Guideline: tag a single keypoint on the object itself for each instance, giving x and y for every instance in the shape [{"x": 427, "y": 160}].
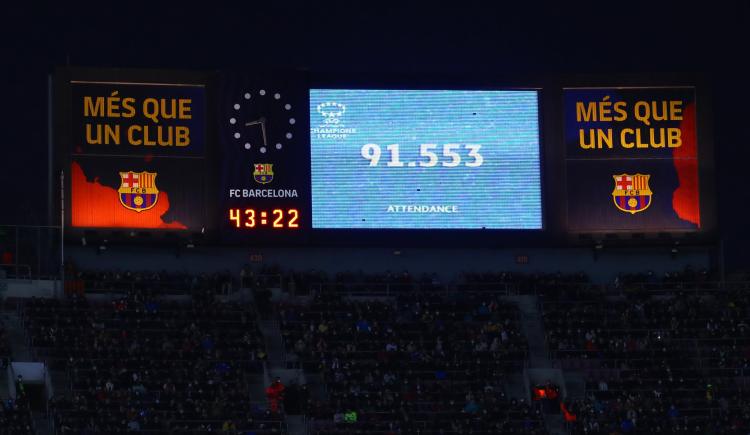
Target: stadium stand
[
  {"x": 160, "y": 282},
  {"x": 669, "y": 361},
  {"x": 419, "y": 363},
  {"x": 148, "y": 365},
  {"x": 393, "y": 354},
  {"x": 15, "y": 417}
]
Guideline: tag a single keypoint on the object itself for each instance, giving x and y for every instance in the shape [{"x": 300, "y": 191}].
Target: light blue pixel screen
[{"x": 425, "y": 159}]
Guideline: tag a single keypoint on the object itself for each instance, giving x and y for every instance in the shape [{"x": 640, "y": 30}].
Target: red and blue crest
[
  {"x": 263, "y": 173},
  {"x": 632, "y": 193},
  {"x": 138, "y": 190}
]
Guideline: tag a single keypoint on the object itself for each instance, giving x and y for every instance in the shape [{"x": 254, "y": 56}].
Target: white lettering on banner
[
  {"x": 422, "y": 209},
  {"x": 263, "y": 193}
]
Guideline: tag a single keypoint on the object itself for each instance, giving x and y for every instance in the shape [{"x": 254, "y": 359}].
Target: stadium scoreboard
[{"x": 251, "y": 158}]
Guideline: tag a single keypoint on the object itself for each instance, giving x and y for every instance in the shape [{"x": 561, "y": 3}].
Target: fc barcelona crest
[
  {"x": 263, "y": 173},
  {"x": 632, "y": 193},
  {"x": 138, "y": 190}
]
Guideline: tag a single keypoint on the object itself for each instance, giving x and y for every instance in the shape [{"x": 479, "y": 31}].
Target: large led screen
[{"x": 425, "y": 159}]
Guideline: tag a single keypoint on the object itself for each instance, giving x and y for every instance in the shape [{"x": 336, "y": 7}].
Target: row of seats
[
  {"x": 99, "y": 281},
  {"x": 414, "y": 362},
  {"x": 141, "y": 363},
  {"x": 15, "y": 417},
  {"x": 671, "y": 362},
  {"x": 417, "y": 363}
]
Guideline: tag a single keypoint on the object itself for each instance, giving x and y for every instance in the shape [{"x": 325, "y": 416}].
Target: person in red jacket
[
  {"x": 552, "y": 391},
  {"x": 275, "y": 393},
  {"x": 569, "y": 416},
  {"x": 6, "y": 261}
]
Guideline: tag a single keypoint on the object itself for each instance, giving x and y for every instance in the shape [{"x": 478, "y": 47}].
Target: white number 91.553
[{"x": 451, "y": 154}]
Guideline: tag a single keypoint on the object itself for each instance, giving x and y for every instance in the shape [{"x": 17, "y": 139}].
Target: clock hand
[
  {"x": 262, "y": 122},
  {"x": 263, "y": 129}
]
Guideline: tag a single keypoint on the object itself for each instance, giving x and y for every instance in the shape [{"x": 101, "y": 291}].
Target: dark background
[{"x": 463, "y": 38}]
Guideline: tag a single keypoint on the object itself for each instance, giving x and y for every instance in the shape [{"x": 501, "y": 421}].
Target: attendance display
[{"x": 425, "y": 159}]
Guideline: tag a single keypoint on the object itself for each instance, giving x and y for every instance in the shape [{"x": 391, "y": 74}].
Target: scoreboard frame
[{"x": 555, "y": 231}]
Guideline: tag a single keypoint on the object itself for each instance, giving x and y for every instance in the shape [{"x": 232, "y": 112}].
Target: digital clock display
[{"x": 256, "y": 218}]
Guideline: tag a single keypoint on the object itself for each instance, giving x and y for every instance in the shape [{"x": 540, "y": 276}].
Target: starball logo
[
  {"x": 332, "y": 126},
  {"x": 331, "y": 111}
]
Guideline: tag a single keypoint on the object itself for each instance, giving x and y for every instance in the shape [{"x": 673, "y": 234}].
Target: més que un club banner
[{"x": 631, "y": 159}]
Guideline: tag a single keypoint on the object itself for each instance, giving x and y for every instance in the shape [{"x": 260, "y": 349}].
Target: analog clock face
[{"x": 262, "y": 121}]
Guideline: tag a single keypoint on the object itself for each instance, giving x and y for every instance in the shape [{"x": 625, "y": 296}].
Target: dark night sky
[{"x": 464, "y": 38}]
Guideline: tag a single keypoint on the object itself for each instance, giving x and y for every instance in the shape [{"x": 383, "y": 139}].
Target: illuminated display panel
[
  {"x": 632, "y": 159},
  {"x": 137, "y": 155},
  {"x": 264, "y": 180},
  {"x": 276, "y": 218},
  {"x": 425, "y": 159},
  {"x": 267, "y": 158}
]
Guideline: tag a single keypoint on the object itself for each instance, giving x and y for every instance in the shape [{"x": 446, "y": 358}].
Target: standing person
[
  {"x": 247, "y": 277},
  {"x": 244, "y": 277},
  {"x": 552, "y": 393},
  {"x": 20, "y": 387},
  {"x": 6, "y": 257},
  {"x": 6, "y": 261},
  {"x": 275, "y": 393}
]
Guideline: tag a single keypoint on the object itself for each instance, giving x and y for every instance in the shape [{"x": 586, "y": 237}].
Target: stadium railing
[
  {"x": 89, "y": 286},
  {"x": 396, "y": 288},
  {"x": 30, "y": 252},
  {"x": 169, "y": 286}
]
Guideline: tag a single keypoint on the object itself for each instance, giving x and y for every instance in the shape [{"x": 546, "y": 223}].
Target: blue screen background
[{"x": 503, "y": 193}]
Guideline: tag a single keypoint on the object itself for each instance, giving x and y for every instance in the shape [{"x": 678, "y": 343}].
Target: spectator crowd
[{"x": 395, "y": 354}]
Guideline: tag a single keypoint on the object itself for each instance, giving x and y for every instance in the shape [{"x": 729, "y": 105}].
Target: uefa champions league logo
[
  {"x": 331, "y": 111},
  {"x": 332, "y": 127}
]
